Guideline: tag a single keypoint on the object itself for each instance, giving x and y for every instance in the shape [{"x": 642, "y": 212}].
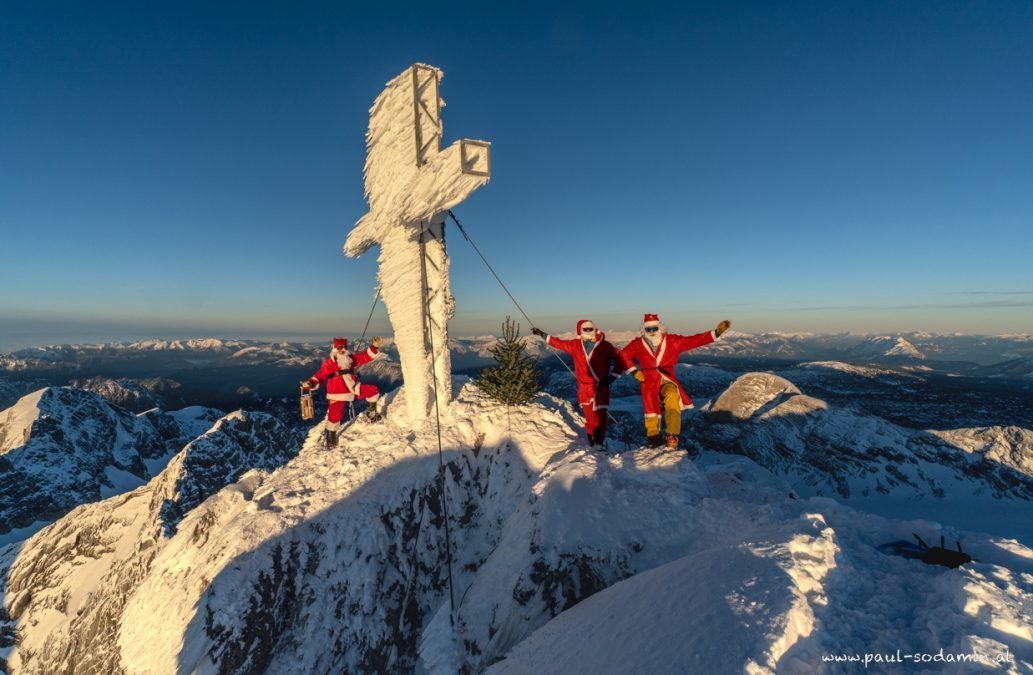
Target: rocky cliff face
[
  {"x": 236, "y": 443},
  {"x": 68, "y": 586},
  {"x": 61, "y": 447},
  {"x": 125, "y": 393}
]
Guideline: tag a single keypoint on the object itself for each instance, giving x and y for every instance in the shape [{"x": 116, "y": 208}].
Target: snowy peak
[
  {"x": 179, "y": 427},
  {"x": 130, "y": 394},
  {"x": 886, "y": 347},
  {"x": 239, "y": 442},
  {"x": 60, "y": 447},
  {"x": 16, "y": 422},
  {"x": 13, "y": 389}
]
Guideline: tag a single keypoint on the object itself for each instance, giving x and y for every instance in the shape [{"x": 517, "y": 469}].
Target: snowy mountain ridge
[
  {"x": 125, "y": 393},
  {"x": 80, "y": 567},
  {"x": 981, "y": 349},
  {"x": 644, "y": 559},
  {"x": 61, "y": 447},
  {"x": 826, "y": 451},
  {"x": 885, "y": 346}
]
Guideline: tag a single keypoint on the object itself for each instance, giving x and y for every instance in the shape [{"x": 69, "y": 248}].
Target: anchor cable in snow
[{"x": 491, "y": 269}]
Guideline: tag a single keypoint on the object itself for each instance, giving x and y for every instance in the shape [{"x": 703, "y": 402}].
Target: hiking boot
[
  {"x": 655, "y": 441},
  {"x": 372, "y": 415},
  {"x": 672, "y": 441},
  {"x": 331, "y": 438}
]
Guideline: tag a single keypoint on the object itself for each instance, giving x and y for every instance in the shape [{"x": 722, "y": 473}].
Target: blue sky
[{"x": 177, "y": 169}]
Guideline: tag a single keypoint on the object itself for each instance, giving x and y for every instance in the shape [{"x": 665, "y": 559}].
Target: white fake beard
[
  {"x": 654, "y": 338},
  {"x": 342, "y": 359}
]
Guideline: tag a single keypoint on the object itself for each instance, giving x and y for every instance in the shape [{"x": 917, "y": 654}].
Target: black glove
[{"x": 538, "y": 331}]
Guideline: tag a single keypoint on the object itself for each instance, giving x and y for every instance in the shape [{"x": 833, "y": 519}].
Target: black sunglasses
[
  {"x": 587, "y": 330},
  {"x": 651, "y": 329}
]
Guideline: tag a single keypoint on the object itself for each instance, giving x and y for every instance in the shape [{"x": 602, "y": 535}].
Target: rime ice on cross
[{"x": 410, "y": 183}]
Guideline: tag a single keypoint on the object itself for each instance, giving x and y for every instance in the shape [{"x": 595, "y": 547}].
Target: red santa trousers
[{"x": 335, "y": 409}]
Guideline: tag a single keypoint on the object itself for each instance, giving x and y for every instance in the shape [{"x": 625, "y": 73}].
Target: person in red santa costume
[
  {"x": 342, "y": 386},
  {"x": 650, "y": 359},
  {"x": 597, "y": 364}
]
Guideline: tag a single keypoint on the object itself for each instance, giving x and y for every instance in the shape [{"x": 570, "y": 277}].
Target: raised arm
[
  {"x": 555, "y": 342},
  {"x": 683, "y": 343},
  {"x": 364, "y": 357}
]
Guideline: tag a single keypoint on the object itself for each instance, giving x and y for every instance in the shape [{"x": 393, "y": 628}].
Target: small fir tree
[{"x": 515, "y": 380}]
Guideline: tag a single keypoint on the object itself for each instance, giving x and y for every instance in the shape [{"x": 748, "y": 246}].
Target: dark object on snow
[{"x": 935, "y": 555}]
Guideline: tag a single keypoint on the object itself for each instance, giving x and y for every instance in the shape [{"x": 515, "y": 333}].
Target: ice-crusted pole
[{"x": 410, "y": 183}]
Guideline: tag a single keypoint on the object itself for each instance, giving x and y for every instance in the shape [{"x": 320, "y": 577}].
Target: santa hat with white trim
[
  {"x": 650, "y": 321},
  {"x": 586, "y": 323}
]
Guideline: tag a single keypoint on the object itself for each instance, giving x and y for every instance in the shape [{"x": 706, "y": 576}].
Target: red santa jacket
[
  {"x": 342, "y": 386},
  {"x": 591, "y": 371},
  {"x": 658, "y": 365}
]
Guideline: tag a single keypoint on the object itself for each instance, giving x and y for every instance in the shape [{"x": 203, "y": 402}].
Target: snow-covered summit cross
[{"x": 410, "y": 183}]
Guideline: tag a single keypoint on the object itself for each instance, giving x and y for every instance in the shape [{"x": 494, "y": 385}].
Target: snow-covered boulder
[
  {"x": 823, "y": 450},
  {"x": 755, "y": 394}
]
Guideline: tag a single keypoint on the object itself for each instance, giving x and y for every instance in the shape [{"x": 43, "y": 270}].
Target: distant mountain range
[{"x": 981, "y": 350}]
